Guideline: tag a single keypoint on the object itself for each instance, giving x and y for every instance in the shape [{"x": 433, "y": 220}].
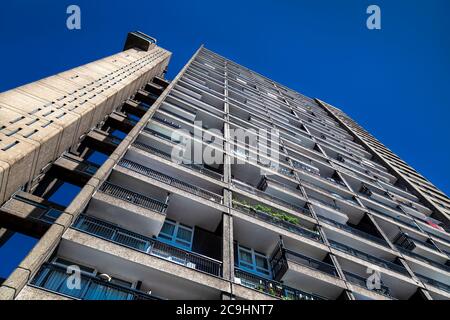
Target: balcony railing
[
  {"x": 170, "y": 181},
  {"x": 55, "y": 279},
  {"x": 369, "y": 258},
  {"x": 405, "y": 223},
  {"x": 278, "y": 218},
  {"x": 160, "y": 135},
  {"x": 273, "y": 288},
  {"x": 434, "y": 283},
  {"x": 353, "y": 230},
  {"x": 245, "y": 187},
  {"x": 133, "y": 197},
  {"x": 327, "y": 204},
  {"x": 281, "y": 256},
  {"x": 113, "y": 233},
  {"x": 362, "y": 282},
  {"x": 305, "y": 168},
  {"x": 167, "y": 156},
  {"x": 424, "y": 259}
]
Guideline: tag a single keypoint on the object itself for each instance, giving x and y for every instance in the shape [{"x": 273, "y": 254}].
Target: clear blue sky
[{"x": 394, "y": 82}]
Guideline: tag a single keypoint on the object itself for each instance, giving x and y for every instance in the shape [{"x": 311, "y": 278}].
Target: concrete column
[{"x": 227, "y": 247}]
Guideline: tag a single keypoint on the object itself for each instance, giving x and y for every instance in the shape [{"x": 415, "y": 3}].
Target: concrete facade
[{"x": 333, "y": 219}]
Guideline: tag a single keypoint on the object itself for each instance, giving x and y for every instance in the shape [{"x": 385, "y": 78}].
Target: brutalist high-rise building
[{"x": 220, "y": 184}]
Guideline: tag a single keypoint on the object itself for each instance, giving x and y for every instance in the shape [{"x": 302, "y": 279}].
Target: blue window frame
[
  {"x": 254, "y": 262},
  {"x": 177, "y": 234}
]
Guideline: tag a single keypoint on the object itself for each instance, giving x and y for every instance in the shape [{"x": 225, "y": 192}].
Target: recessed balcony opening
[
  {"x": 254, "y": 262},
  {"x": 204, "y": 78},
  {"x": 372, "y": 255},
  {"x": 298, "y": 139},
  {"x": 298, "y": 154},
  {"x": 325, "y": 206},
  {"x": 194, "y": 146},
  {"x": 360, "y": 227},
  {"x": 423, "y": 249},
  {"x": 201, "y": 84},
  {"x": 139, "y": 163},
  {"x": 305, "y": 268},
  {"x": 382, "y": 199},
  {"x": 372, "y": 280},
  {"x": 384, "y": 210},
  {"x": 399, "y": 189},
  {"x": 106, "y": 276},
  {"x": 299, "y": 148},
  {"x": 199, "y": 127},
  {"x": 435, "y": 229},
  {"x": 295, "y": 223},
  {"x": 200, "y": 69},
  {"x": 135, "y": 207},
  {"x": 189, "y": 86},
  {"x": 181, "y": 110},
  {"x": 154, "y": 147},
  {"x": 198, "y": 99}
]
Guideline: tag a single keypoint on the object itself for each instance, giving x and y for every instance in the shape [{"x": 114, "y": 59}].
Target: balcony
[
  {"x": 281, "y": 258},
  {"x": 434, "y": 283},
  {"x": 369, "y": 258},
  {"x": 55, "y": 278},
  {"x": 310, "y": 270},
  {"x": 133, "y": 197},
  {"x": 113, "y": 233},
  {"x": 272, "y": 288},
  {"x": 277, "y": 218},
  {"x": 166, "y": 179},
  {"x": 135, "y": 211},
  {"x": 421, "y": 250},
  {"x": 362, "y": 282},
  {"x": 166, "y": 156},
  {"x": 354, "y": 231},
  {"x": 405, "y": 221},
  {"x": 258, "y": 193}
]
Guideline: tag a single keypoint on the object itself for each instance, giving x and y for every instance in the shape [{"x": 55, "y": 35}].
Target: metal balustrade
[
  {"x": 424, "y": 259},
  {"x": 162, "y": 154},
  {"x": 405, "y": 223},
  {"x": 166, "y": 122},
  {"x": 170, "y": 181},
  {"x": 56, "y": 279},
  {"x": 277, "y": 221},
  {"x": 362, "y": 282},
  {"x": 369, "y": 258},
  {"x": 310, "y": 262},
  {"x": 151, "y": 246},
  {"x": 327, "y": 204},
  {"x": 273, "y": 288},
  {"x": 434, "y": 283},
  {"x": 160, "y": 135},
  {"x": 354, "y": 230},
  {"x": 133, "y": 197}
]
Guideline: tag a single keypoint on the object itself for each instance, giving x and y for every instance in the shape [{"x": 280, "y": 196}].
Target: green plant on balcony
[{"x": 270, "y": 211}]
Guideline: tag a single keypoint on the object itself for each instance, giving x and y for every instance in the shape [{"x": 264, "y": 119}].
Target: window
[
  {"x": 177, "y": 234},
  {"x": 253, "y": 261}
]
